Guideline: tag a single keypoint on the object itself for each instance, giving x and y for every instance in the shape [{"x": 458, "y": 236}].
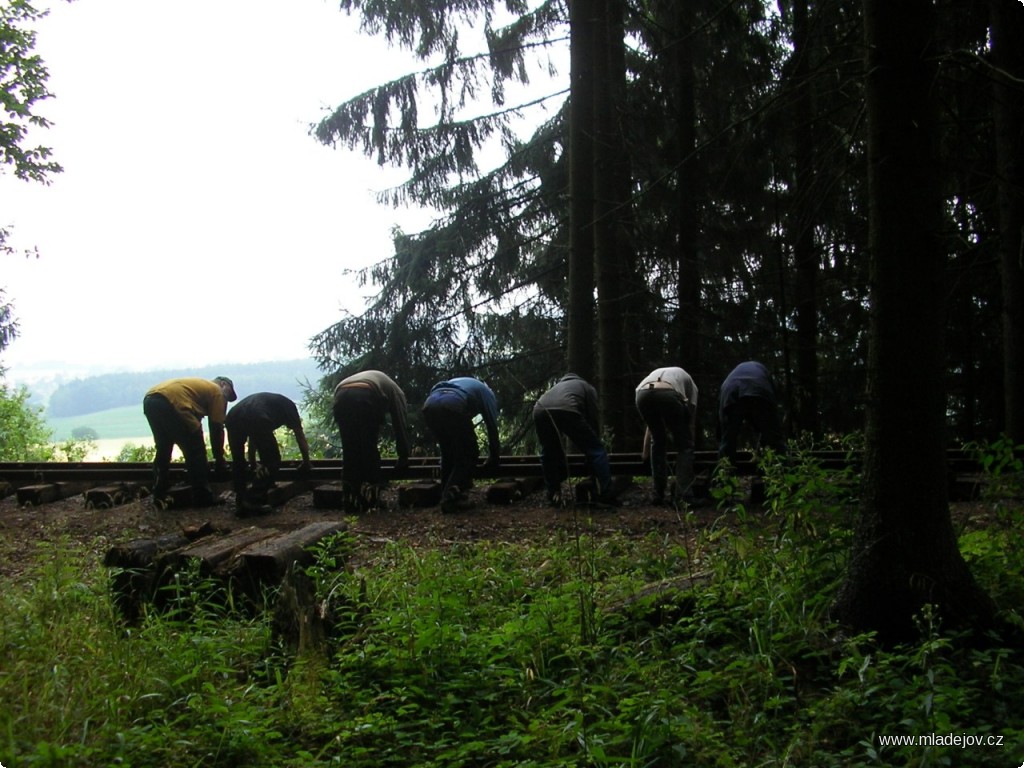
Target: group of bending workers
[
  {"x": 175, "y": 409},
  {"x": 666, "y": 400}
]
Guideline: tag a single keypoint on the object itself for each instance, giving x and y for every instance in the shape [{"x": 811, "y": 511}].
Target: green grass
[
  {"x": 116, "y": 423},
  {"x": 496, "y": 654}
]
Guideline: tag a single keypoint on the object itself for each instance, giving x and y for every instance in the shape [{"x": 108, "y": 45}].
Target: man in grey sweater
[{"x": 569, "y": 408}]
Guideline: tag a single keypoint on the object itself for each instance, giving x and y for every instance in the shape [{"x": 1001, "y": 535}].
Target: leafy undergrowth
[{"x": 589, "y": 651}]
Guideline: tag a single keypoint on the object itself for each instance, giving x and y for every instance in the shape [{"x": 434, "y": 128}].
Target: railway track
[
  {"x": 248, "y": 558},
  {"x": 16, "y": 475}
]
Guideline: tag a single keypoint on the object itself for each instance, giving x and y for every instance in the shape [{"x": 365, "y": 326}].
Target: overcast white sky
[{"x": 196, "y": 221}]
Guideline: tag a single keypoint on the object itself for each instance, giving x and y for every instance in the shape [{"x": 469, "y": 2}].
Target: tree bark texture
[
  {"x": 905, "y": 551},
  {"x": 580, "y": 322},
  {"x": 688, "y": 325},
  {"x": 611, "y": 204},
  {"x": 1007, "y": 24},
  {"x": 805, "y": 252}
]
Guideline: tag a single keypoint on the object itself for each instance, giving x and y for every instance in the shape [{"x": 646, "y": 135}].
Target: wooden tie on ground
[
  {"x": 428, "y": 493},
  {"x": 34, "y": 495},
  {"x": 245, "y": 562},
  {"x": 109, "y": 484},
  {"x": 110, "y": 496},
  {"x": 509, "y": 491},
  {"x": 329, "y": 496}
]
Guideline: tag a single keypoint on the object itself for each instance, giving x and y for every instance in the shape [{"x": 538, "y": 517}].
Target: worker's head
[{"x": 227, "y": 387}]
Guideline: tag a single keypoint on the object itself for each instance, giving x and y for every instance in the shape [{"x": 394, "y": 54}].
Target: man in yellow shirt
[{"x": 175, "y": 410}]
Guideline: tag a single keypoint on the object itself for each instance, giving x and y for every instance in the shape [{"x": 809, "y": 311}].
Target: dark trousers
[
  {"x": 170, "y": 429},
  {"x": 448, "y": 418},
  {"x": 551, "y": 424},
  {"x": 763, "y": 417},
  {"x": 359, "y": 413},
  {"x": 665, "y": 412},
  {"x": 261, "y": 438}
]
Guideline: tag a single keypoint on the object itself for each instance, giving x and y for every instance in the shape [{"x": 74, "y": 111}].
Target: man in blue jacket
[{"x": 449, "y": 412}]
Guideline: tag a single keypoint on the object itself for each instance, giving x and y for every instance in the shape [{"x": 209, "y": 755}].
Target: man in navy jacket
[{"x": 449, "y": 412}]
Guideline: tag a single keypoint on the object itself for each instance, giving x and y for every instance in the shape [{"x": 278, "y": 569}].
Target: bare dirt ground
[{"x": 56, "y": 525}]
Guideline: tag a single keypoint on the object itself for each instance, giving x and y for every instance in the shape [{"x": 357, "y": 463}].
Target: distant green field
[{"x": 116, "y": 423}]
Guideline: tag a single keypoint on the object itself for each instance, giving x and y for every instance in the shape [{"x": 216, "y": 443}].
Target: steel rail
[{"x": 425, "y": 467}]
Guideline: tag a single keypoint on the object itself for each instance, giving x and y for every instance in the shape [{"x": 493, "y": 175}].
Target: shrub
[
  {"x": 136, "y": 453},
  {"x": 23, "y": 432}
]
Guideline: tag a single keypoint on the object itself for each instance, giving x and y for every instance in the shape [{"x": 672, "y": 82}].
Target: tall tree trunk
[
  {"x": 611, "y": 203},
  {"x": 1008, "y": 58},
  {"x": 579, "y": 333},
  {"x": 905, "y": 550},
  {"x": 688, "y": 325},
  {"x": 805, "y": 253},
  {"x": 633, "y": 286}
]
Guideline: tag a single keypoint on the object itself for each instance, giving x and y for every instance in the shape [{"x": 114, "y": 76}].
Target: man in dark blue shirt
[
  {"x": 748, "y": 397},
  {"x": 253, "y": 420},
  {"x": 449, "y": 412}
]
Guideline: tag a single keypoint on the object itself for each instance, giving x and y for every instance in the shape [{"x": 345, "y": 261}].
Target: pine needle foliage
[{"x": 743, "y": 124}]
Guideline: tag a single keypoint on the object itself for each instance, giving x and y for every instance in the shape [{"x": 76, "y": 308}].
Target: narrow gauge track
[{"x": 18, "y": 474}]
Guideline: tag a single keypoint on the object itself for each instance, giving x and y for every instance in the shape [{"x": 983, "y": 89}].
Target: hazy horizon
[{"x": 196, "y": 221}]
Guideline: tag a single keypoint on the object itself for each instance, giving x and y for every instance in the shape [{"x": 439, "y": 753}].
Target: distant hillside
[
  {"x": 116, "y": 390},
  {"x": 115, "y": 423}
]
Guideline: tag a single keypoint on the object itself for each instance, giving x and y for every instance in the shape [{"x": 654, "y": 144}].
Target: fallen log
[
  {"x": 200, "y": 572},
  {"x": 170, "y": 569},
  {"x": 142, "y": 553},
  {"x": 133, "y": 580},
  {"x": 209, "y": 554},
  {"x": 267, "y": 561}
]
